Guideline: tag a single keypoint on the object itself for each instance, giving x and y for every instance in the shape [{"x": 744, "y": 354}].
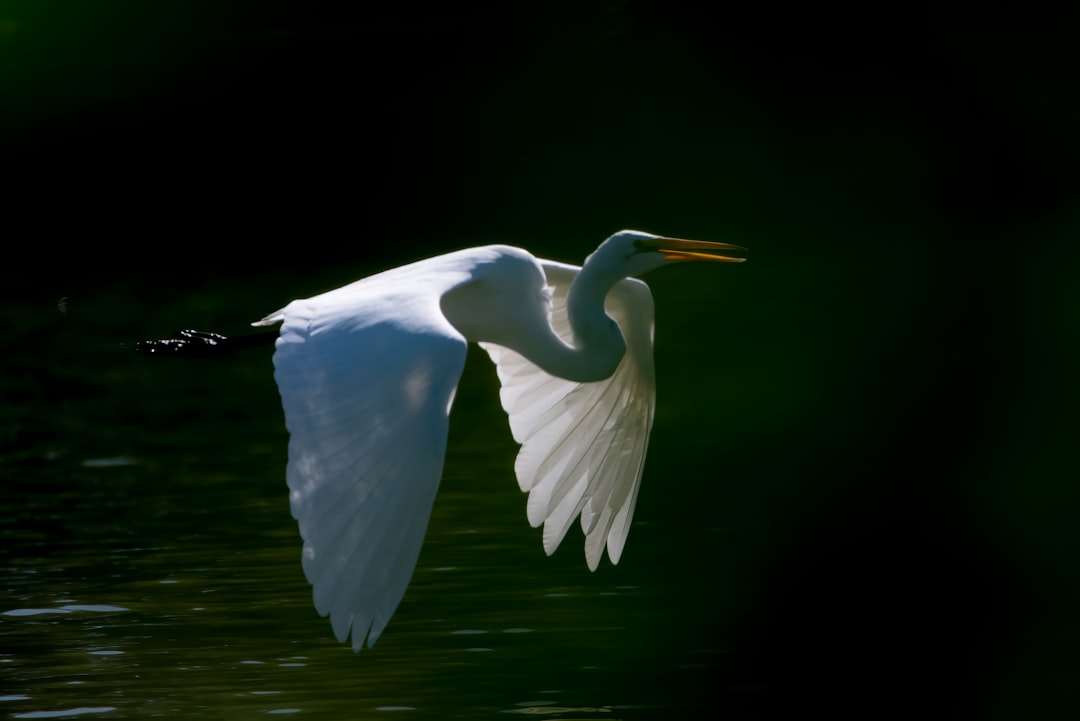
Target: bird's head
[{"x": 633, "y": 252}]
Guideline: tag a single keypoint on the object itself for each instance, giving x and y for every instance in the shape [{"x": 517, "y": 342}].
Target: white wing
[
  {"x": 583, "y": 444},
  {"x": 366, "y": 381}
]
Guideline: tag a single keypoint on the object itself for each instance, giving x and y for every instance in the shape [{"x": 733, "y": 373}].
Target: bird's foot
[
  {"x": 201, "y": 344},
  {"x": 185, "y": 344}
]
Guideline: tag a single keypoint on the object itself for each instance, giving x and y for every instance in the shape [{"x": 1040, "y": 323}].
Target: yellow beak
[{"x": 677, "y": 249}]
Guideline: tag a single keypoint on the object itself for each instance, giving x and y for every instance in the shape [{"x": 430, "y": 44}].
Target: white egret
[{"x": 367, "y": 375}]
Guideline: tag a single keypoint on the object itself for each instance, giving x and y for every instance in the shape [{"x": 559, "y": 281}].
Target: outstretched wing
[
  {"x": 583, "y": 444},
  {"x": 366, "y": 384}
]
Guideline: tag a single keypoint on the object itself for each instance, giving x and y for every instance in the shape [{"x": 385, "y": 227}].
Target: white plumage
[
  {"x": 583, "y": 444},
  {"x": 367, "y": 375}
]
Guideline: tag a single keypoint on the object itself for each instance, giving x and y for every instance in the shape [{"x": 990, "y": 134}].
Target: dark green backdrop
[{"x": 878, "y": 406}]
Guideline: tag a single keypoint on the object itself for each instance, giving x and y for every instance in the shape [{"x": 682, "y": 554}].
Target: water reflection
[
  {"x": 150, "y": 568},
  {"x": 211, "y": 616},
  {"x": 65, "y": 713},
  {"x": 542, "y": 708},
  {"x": 97, "y": 608}
]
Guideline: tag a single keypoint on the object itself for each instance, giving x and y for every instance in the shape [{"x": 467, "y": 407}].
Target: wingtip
[
  {"x": 360, "y": 639},
  {"x": 275, "y": 317},
  {"x": 614, "y": 553}
]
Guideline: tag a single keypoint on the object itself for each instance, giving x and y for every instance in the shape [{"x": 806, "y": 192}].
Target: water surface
[{"x": 151, "y": 568}]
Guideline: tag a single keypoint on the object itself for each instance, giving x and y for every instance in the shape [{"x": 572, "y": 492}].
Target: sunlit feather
[{"x": 368, "y": 372}]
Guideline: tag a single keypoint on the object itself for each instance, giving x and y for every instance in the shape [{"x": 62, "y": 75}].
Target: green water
[
  {"x": 150, "y": 592},
  {"x": 835, "y": 510},
  {"x": 150, "y": 566}
]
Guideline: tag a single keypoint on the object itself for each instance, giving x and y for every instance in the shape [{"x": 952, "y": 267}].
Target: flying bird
[{"x": 367, "y": 375}]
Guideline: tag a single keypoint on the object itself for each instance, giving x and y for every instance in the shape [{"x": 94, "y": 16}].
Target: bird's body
[{"x": 367, "y": 375}]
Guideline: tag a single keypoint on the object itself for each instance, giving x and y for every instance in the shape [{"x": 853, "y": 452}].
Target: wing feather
[
  {"x": 366, "y": 393},
  {"x": 583, "y": 444}
]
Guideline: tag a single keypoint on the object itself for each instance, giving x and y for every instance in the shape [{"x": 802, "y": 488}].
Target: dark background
[{"x": 887, "y": 403}]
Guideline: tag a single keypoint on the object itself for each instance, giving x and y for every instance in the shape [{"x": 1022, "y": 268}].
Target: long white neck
[
  {"x": 503, "y": 309},
  {"x": 597, "y": 346},
  {"x": 598, "y": 343}
]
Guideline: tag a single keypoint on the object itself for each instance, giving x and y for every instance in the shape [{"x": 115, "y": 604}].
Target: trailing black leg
[{"x": 201, "y": 344}]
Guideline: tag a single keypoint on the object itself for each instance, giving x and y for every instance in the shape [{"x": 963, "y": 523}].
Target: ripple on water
[
  {"x": 546, "y": 710},
  {"x": 70, "y": 608},
  {"x": 114, "y": 462},
  {"x": 94, "y": 608},
  {"x": 65, "y": 713}
]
